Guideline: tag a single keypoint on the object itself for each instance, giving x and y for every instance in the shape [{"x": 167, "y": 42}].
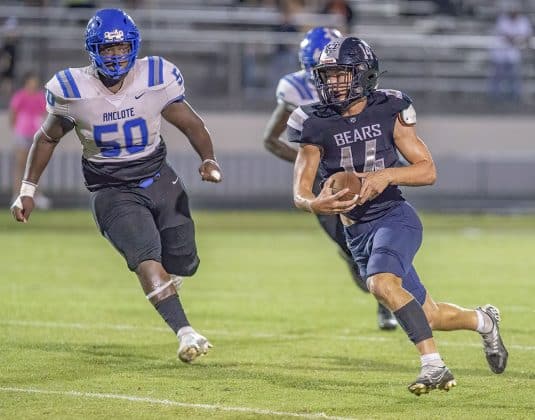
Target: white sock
[
  {"x": 484, "y": 323},
  {"x": 184, "y": 330},
  {"x": 432, "y": 359}
]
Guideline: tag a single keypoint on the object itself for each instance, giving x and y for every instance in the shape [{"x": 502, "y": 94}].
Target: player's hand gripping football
[
  {"x": 210, "y": 171},
  {"x": 373, "y": 184},
  {"x": 22, "y": 208},
  {"x": 328, "y": 203}
]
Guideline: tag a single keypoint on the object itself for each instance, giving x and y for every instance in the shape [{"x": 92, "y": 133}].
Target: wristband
[
  {"x": 27, "y": 189},
  {"x": 209, "y": 161}
]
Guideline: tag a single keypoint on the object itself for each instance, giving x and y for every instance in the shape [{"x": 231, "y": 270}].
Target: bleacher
[{"x": 439, "y": 59}]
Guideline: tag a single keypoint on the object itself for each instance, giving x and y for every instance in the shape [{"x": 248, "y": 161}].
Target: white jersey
[
  {"x": 122, "y": 126},
  {"x": 296, "y": 89}
]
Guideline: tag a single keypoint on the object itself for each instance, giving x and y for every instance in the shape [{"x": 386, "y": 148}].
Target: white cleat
[
  {"x": 192, "y": 345},
  {"x": 432, "y": 377}
]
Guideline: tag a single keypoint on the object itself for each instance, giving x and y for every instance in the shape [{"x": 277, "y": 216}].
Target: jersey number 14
[{"x": 370, "y": 162}]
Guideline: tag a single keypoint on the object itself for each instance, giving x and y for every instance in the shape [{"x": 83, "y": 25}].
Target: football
[{"x": 341, "y": 180}]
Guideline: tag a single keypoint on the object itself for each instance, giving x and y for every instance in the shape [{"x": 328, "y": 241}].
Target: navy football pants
[{"x": 388, "y": 245}]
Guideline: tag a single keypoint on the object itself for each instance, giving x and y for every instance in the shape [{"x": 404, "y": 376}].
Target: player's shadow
[
  {"x": 153, "y": 359},
  {"x": 343, "y": 363},
  {"x": 101, "y": 354},
  {"x": 279, "y": 375},
  {"x": 147, "y": 360},
  {"x": 367, "y": 365}
]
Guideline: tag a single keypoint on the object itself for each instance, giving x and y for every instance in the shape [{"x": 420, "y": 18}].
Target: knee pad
[{"x": 179, "y": 253}]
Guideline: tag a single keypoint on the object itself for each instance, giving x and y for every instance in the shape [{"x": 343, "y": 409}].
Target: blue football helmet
[
  {"x": 357, "y": 67},
  {"x": 108, "y": 27},
  {"x": 313, "y": 43}
]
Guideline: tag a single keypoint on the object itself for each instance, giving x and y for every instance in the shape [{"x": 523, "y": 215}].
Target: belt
[{"x": 147, "y": 182}]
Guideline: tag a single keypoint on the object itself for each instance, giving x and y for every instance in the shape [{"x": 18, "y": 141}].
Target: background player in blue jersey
[
  {"x": 361, "y": 129},
  {"x": 294, "y": 90},
  {"x": 138, "y": 202}
]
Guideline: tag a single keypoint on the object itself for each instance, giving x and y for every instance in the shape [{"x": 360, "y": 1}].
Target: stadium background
[
  {"x": 227, "y": 52},
  {"x": 292, "y": 335}
]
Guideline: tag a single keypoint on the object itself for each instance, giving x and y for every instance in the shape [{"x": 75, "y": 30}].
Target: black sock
[{"x": 172, "y": 312}]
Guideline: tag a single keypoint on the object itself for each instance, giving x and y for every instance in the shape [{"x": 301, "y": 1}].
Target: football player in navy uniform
[
  {"x": 294, "y": 90},
  {"x": 359, "y": 128},
  {"x": 138, "y": 201}
]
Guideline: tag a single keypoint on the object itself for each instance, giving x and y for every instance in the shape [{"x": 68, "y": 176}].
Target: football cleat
[
  {"x": 192, "y": 345},
  {"x": 495, "y": 351},
  {"x": 385, "y": 318},
  {"x": 432, "y": 377}
]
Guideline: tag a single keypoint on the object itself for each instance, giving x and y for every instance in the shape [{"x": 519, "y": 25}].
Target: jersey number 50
[{"x": 112, "y": 148}]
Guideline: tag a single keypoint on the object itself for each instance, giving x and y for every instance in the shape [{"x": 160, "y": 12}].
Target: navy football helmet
[
  {"x": 108, "y": 27},
  {"x": 312, "y": 45},
  {"x": 357, "y": 68}
]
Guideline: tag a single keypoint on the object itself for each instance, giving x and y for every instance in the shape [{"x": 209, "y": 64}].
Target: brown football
[{"x": 341, "y": 180}]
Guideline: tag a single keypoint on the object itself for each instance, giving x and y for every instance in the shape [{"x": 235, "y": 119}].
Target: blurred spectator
[
  {"x": 36, "y": 3},
  {"x": 27, "y": 109},
  {"x": 80, "y": 4},
  {"x": 342, "y": 9},
  {"x": 8, "y": 56},
  {"x": 512, "y": 33},
  {"x": 256, "y": 3},
  {"x": 285, "y": 58},
  {"x": 133, "y": 4},
  {"x": 446, "y": 7}
]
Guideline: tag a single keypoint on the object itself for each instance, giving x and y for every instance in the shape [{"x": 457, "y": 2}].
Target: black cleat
[
  {"x": 432, "y": 377},
  {"x": 495, "y": 351},
  {"x": 385, "y": 318}
]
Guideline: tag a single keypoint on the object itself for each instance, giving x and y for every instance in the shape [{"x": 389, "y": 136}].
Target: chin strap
[{"x": 109, "y": 82}]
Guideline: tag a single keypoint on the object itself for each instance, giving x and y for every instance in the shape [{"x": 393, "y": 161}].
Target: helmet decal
[
  {"x": 115, "y": 35},
  {"x": 313, "y": 43}
]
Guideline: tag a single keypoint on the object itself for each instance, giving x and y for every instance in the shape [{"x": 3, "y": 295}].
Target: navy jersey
[{"x": 362, "y": 143}]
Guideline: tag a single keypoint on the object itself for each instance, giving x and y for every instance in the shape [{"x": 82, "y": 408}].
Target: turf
[{"x": 293, "y": 336}]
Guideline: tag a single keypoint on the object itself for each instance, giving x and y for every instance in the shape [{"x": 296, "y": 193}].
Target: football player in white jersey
[
  {"x": 138, "y": 202},
  {"x": 294, "y": 90}
]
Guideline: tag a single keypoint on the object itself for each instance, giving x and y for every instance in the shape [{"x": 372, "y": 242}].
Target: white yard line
[
  {"x": 211, "y": 407},
  {"x": 122, "y": 327}
]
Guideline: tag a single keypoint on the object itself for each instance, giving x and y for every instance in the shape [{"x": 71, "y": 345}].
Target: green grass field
[{"x": 293, "y": 337}]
